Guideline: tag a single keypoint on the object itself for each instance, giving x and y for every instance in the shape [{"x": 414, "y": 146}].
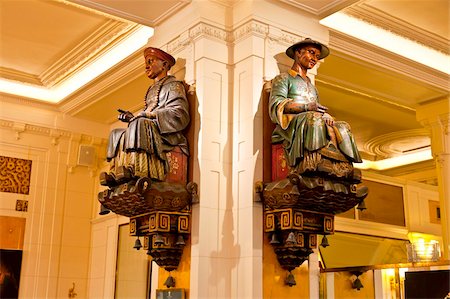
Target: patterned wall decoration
[{"x": 15, "y": 175}]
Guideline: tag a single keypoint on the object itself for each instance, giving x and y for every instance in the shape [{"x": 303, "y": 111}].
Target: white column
[
  {"x": 435, "y": 116},
  {"x": 314, "y": 275},
  {"x": 215, "y": 251},
  {"x": 330, "y": 285},
  {"x": 248, "y": 50}
]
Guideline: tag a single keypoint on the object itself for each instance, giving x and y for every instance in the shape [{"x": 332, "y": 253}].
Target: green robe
[{"x": 306, "y": 130}]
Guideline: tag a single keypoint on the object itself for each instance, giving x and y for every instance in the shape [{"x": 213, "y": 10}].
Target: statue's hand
[
  {"x": 314, "y": 106},
  {"x": 125, "y": 116},
  {"x": 145, "y": 114},
  {"x": 329, "y": 120}
]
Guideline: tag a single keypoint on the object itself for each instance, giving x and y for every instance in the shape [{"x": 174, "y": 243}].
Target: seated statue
[
  {"x": 140, "y": 150},
  {"x": 313, "y": 141}
]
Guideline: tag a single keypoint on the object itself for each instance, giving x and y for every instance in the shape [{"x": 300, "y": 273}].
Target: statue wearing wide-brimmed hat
[
  {"x": 313, "y": 141},
  {"x": 140, "y": 149}
]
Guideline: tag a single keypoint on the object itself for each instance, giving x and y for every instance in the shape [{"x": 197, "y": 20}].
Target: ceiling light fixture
[
  {"x": 117, "y": 53},
  {"x": 387, "y": 40},
  {"x": 396, "y": 161}
]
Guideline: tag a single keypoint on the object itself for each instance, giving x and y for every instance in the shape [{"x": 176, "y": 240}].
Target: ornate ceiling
[{"x": 46, "y": 43}]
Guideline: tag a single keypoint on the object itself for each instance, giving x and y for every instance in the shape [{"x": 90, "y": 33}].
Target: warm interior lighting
[
  {"x": 423, "y": 247},
  {"x": 388, "y": 40},
  {"x": 117, "y": 53},
  {"x": 421, "y": 251},
  {"x": 396, "y": 161}
]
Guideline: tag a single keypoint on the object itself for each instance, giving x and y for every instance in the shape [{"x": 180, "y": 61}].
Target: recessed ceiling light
[
  {"x": 117, "y": 53},
  {"x": 396, "y": 161},
  {"x": 388, "y": 40}
]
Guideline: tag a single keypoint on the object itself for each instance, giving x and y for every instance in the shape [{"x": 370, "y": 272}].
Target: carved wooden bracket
[
  {"x": 160, "y": 212},
  {"x": 298, "y": 208}
]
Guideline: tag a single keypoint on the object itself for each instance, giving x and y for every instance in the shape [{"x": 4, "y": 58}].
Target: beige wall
[{"x": 61, "y": 202}]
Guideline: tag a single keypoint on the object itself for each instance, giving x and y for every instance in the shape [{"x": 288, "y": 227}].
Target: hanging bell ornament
[
  {"x": 324, "y": 242},
  {"x": 180, "y": 241},
  {"x": 274, "y": 240},
  {"x": 291, "y": 239},
  {"x": 290, "y": 280},
  {"x": 361, "y": 206},
  {"x": 137, "y": 244},
  {"x": 159, "y": 240}
]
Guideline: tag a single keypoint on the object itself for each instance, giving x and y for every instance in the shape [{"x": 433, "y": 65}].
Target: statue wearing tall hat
[
  {"x": 312, "y": 140},
  {"x": 140, "y": 150}
]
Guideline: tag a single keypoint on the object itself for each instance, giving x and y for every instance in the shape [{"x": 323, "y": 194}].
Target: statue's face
[
  {"x": 155, "y": 68},
  {"x": 307, "y": 56}
]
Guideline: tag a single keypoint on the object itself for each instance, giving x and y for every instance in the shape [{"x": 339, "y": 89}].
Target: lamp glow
[
  {"x": 128, "y": 46},
  {"x": 396, "y": 161},
  {"x": 388, "y": 40}
]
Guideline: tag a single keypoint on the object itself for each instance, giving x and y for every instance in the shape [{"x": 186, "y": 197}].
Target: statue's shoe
[
  {"x": 362, "y": 191},
  {"x": 107, "y": 179},
  {"x": 355, "y": 176},
  {"x": 123, "y": 174}
]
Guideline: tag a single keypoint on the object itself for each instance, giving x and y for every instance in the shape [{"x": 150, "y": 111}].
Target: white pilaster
[{"x": 435, "y": 116}]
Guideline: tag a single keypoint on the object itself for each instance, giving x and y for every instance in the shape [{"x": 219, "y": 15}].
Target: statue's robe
[
  {"x": 144, "y": 144},
  {"x": 305, "y": 136}
]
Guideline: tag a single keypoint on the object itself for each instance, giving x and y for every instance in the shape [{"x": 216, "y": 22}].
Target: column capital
[
  {"x": 435, "y": 111},
  {"x": 435, "y": 116}
]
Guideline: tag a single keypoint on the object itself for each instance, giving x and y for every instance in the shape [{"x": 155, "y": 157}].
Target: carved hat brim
[
  {"x": 160, "y": 54},
  {"x": 324, "y": 51}
]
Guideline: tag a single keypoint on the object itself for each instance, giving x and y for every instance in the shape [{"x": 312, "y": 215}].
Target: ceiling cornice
[
  {"x": 29, "y": 102},
  {"x": 16, "y": 75},
  {"x": 383, "y": 20},
  {"x": 382, "y": 146},
  {"x": 358, "y": 90},
  {"x": 87, "y": 50},
  {"x": 130, "y": 16},
  {"x": 385, "y": 59},
  {"x": 123, "y": 73},
  {"x": 326, "y": 10}
]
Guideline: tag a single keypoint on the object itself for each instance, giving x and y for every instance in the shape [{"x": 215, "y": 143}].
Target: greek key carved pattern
[
  {"x": 15, "y": 175},
  {"x": 270, "y": 222},
  {"x": 328, "y": 224},
  {"x": 285, "y": 219},
  {"x": 183, "y": 224},
  {"x": 312, "y": 241},
  {"x": 164, "y": 222}
]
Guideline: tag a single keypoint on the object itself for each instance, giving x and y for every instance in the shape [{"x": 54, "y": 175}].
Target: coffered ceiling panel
[
  {"x": 38, "y": 36},
  {"x": 146, "y": 12},
  {"x": 382, "y": 84}
]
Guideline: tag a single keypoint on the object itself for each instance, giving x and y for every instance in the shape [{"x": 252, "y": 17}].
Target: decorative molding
[
  {"x": 179, "y": 43},
  {"x": 251, "y": 27},
  {"x": 327, "y": 8},
  {"x": 15, "y": 75},
  {"x": 370, "y": 228},
  {"x": 14, "y": 99},
  {"x": 421, "y": 171},
  {"x": 383, "y": 20},
  {"x": 120, "y": 75},
  {"x": 385, "y": 59},
  {"x": 206, "y": 30},
  {"x": 282, "y": 37},
  {"x": 57, "y": 134},
  {"x": 141, "y": 19},
  {"x": 18, "y": 128},
  {"x": 167, "y": 14},
  {"x": 384, "y": 145},
  {"x": 351, "y": 88},
  {"x": 92, "y": 47},
  {"x": 444, "y": 120}
]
